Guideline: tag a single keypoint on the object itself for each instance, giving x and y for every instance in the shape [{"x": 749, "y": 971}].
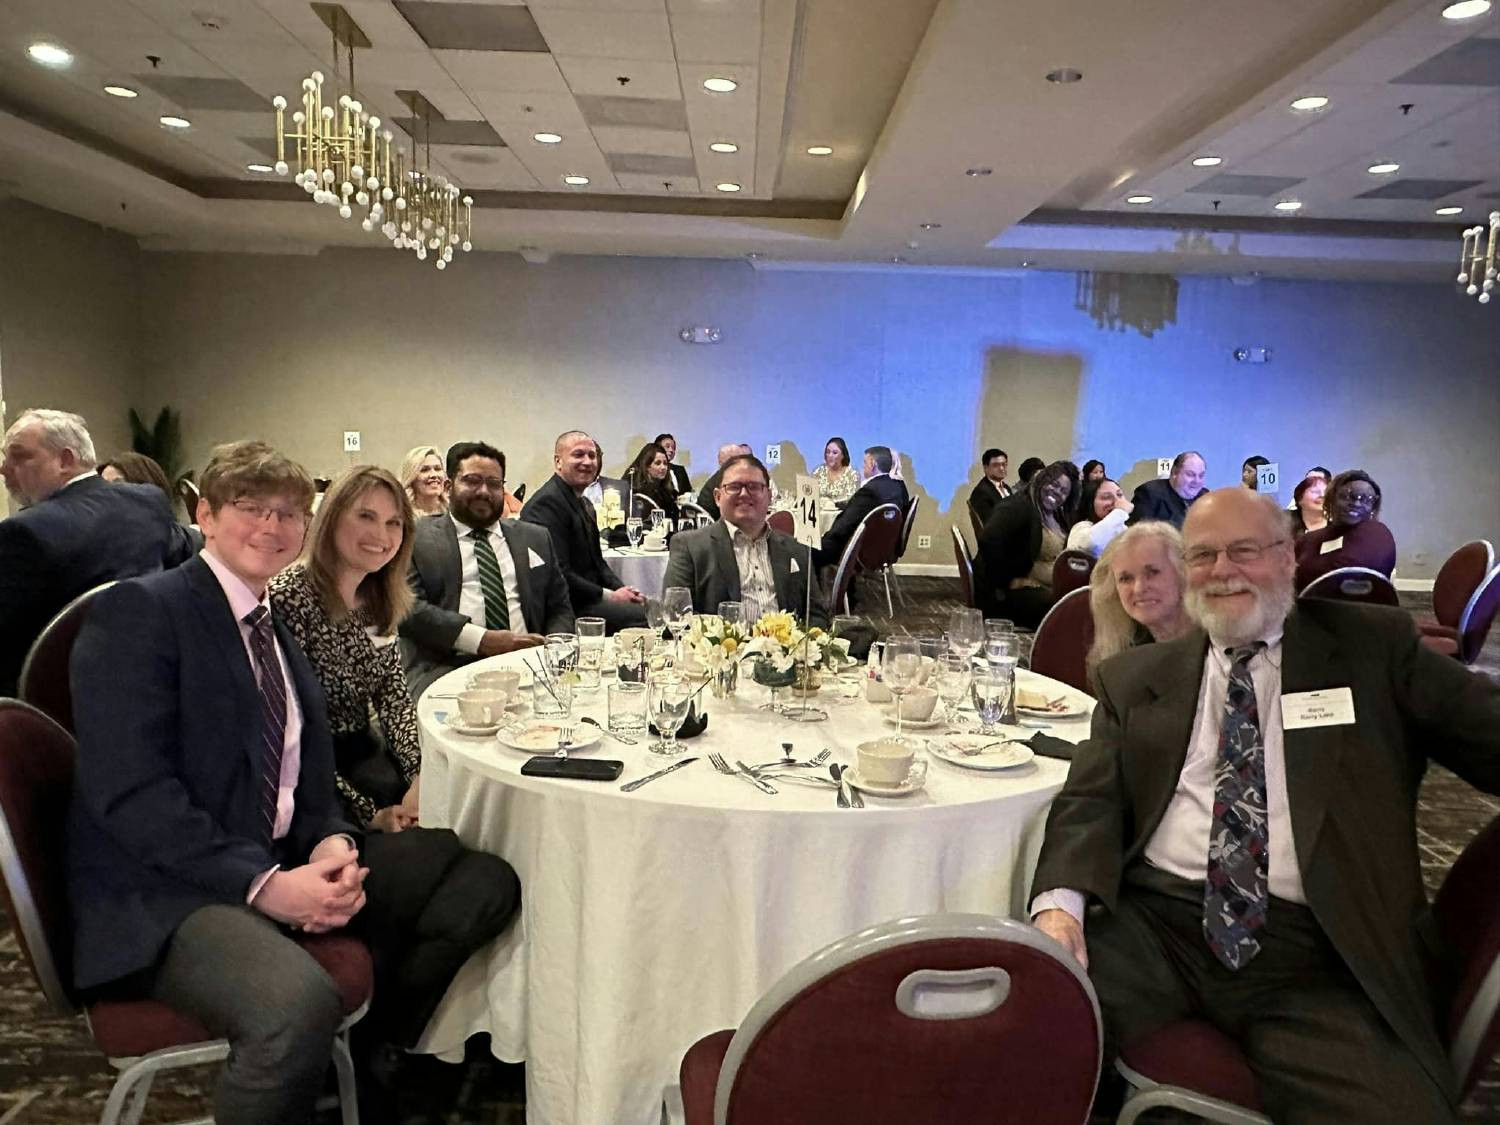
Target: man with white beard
[{"x": 1235, "y": 842}]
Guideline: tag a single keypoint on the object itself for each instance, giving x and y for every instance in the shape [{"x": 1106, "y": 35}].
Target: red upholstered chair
[
  {"x": 44, "y": 676},
  {"x": 974, "y": 520},
  {"x": 1353, "y": 584},
  {"x": 946, "y": 1018},
  {"x": 642, "y": 506},
  {"x": 784, "y": 522},
  {"x": 843, "y": 575},
  {"x": 1191, "y": 1066},
  {"x": 965, "y": 566},
  {"x": 1456, "y": 583},
  {"x": 882, "y": 539},
  {"x": 1061, "y": 646},
  {"x": 1473, "y": 623},
  {"x": 687, "y": 509},
  {"x": 1071, "y": 572},
  {"x": 141, "y": 1038}
]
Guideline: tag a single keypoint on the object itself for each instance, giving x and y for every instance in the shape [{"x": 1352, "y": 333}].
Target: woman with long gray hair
[{"x": 1136, "y": 590}]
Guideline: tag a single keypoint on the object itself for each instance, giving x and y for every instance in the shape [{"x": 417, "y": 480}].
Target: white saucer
[
  {"x": 539, "y": 736},
  {"x": 1006, "y": 756},
  {"x": 856, "y": 779},
  {"x": 455, "y": 723},
  {"x": 650, "y": 550},
  {"x": 888, "y": 716}
]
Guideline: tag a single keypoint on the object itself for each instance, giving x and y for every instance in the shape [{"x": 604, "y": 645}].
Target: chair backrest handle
[{"x": 941, "y": 994}]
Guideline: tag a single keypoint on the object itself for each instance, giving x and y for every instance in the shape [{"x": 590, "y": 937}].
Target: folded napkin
[{"x": 1049, "y": 747}]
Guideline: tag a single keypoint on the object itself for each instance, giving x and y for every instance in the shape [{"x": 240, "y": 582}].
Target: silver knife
[
  {"x": 632, "y": 786},
  {"x": 763, "y": 786},
  {"x": 838, "y": 771}
]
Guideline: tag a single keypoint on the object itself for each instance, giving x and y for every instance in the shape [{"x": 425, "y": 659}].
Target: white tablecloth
[
  {"x": 652, "y": 918},
  {"x": 639, "y": 567}
]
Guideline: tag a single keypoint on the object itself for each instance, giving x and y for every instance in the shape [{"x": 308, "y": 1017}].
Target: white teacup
[
  {"x": 890, "y": 761},
  {"x": 482, "y": 706},
  {"x": 654, "y": 542},
  {"x": 877, "y": 692},
  {"x": 918, "y": 704},
  {"x": 497, "y": 679}
]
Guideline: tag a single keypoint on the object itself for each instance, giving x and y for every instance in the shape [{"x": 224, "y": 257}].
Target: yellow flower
[{"x": 730, "y": 644}]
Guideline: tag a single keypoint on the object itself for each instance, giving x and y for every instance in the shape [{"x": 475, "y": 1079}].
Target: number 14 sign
[{"x": 805, "y": 511}]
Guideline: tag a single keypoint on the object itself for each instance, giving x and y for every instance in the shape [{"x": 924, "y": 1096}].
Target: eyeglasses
[
  {"x": 1349, "y": 495},
  {"x": 1241, "y": 554},
  {"x": 260, "y": 513},
  {"x": 750, "y": 488},
  {"x": 475, "y": 481}
]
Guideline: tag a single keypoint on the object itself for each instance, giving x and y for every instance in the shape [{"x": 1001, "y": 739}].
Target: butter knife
[
  {"x": 748, "y": 775},
  {"x": 632, "y": 786},
  {"x": 837, "y": 771}
]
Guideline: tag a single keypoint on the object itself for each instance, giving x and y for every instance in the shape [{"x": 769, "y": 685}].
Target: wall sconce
[
  {"x": 1253, "y": 355},
  {"x": 700, "y": 335}
]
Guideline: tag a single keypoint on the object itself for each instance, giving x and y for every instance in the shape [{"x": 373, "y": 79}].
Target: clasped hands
[{"x": 321, "y": 895}]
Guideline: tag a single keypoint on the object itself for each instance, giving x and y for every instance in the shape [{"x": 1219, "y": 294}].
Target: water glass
[
  {"x": 677, "y": 609},
  {"x": 627, "y": 707},
  {"x": 990, "y": 689},
  {"x": 590, "y": 652},
  {"x": 732, "y": 613},
  {"x": 844, "y": 627},
  {"x": 667, "y": 702},
  {"x": 966, "y": 631},
  {"x": 552, "y": 699},
  {"x": 953, "y": 674},
  {"x": 561, "y": 652},
  {"x": 900, "y": 666},
  {"x": 633, "y": 530},
  {"x": 658, "y": 520}
]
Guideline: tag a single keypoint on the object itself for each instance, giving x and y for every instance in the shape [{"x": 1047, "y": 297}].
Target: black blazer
[
  {"x": 678, "y": 478},
  {"x": 1008, "y": 546},
  {"x": 706, "y": 499},
  {"x": 703, "y": 561},
  {"x": 1352, "y": 789},
  {"x": 575, "y": 537},
  {"x": 984, "y": 497},
  {"x": 884, "y": 489},
  {"x": 90, "y": 532},
  {"x": 166, "y": 817},
  {"x": 436, "y": 577},
  {"x": 1157, "y": 500}
]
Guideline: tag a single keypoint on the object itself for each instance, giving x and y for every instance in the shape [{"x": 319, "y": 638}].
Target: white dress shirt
[
  {"x": 757, "y": 582},
  {"x": 471, "y": 594},
  {"x": 1179, "y": 845}
]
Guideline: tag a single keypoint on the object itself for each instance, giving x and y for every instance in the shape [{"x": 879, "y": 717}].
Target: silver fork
[
  {"x": 788, "y": 763},
  {"x": 564, "y": 741},
  {"x": 724, "y": 767}
]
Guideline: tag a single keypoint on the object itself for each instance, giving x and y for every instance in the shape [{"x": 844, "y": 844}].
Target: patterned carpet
[{"x": 50, "y": 1073}]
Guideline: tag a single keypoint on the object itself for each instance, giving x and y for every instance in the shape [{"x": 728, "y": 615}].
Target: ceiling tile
[
  {"x": 472, "y": 27},
  {"x": 397, "y": 68},
  {"x": 1231, "y": 183},
  {"x": 1474, "y": 62},
  {"x": 480, "y": 71},
  {"x": 610, "y": 35},
  {"x": 647, "y": 164},
  {"x": 530, "y": 112},
  {"x": 204, "y": 93},
  {"x": 445, "y": 132},
  {"x": 658, "y": 142},
  {"x": 485, "y": 167},
  {"x": 650, "y": 113},
  {"x": 601, "y": 77},
  {"x": 1417, "y": 188},
  {"x": 600, "y": 5},
  {"x": 714, "y": 7},
  {"x": 717, "y": 38},
  {"x": 647, "y": 184}
]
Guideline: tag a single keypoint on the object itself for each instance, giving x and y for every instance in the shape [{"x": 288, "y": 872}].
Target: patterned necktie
[
  {"x": 496, "y": 606},
  {"x": 272, "y": 687},
  {"x": 1235, "y": 898}
]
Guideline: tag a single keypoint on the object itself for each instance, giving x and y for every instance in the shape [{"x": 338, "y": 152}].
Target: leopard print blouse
[{"x": 360, "y": 677}]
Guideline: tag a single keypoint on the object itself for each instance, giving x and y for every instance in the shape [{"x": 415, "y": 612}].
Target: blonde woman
[
  {"x": 424, "y": 480},
  {"x": 1136, "y": 590}
]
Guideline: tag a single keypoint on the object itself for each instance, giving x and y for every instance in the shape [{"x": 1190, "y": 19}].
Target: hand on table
[
  {"x": 1065, "y": 929},
  {"x": 628, "y": 594},
  {"x": 497, "y": 641}
]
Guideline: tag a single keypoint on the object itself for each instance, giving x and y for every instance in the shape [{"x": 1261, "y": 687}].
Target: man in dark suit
[
  {"x": 879, "y": 488},
  {"x": 706, "y": 499},
  {"x": 74, "y": 532},
  {"x": 559, "y": 506},
  {"x": 484, "y": 585},
  {"x": 679, "y": 475},
  {"x": 1241, "y": 821},
  {"x": 741, "y": 558},
  {"x": 205, "y": 823},
  {"x": 992, "y": 487},
  {"x": 1169, "y": 499}
]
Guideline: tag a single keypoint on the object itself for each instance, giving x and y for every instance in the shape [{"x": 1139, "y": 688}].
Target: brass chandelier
[{"x": 1476, "y": 261}]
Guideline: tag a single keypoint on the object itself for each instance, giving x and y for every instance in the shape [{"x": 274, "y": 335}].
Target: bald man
[
  {"x": 594, "y": 589},
  {"x": 1223, "y": 849}
]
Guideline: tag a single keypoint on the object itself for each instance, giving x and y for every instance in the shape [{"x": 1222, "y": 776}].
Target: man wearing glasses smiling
[{"x": 1235, "y": 841}]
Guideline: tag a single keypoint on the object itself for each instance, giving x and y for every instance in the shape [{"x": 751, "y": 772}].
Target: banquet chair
[
  {"x": 188, "y": 493},
  {"x": 882, "y": 540},
  {"x": 642, "y": 505},
  {"x": 965, "y": 566},
  {"x": 906, "y": 526},
  {"x": 520, "y": 492},
  {"x": 1457, "y": 582},
  {"x": 843, "y": 576},
  {"x": 1071, "y": 571},
  {"x": 44, "y": 679},
  {"x": 1353, "y": 584},
  {"x": 1192, "y": 1066},
  {"x": 784, "y": 522},
  {"x": 141, "y": 1038},
  {"x": 687, "y": 509},
  {"x": 1061, "y": 646},
  {"x": 948, "y": 1017},
  {"x": 974, "y": 520},
  {"x": 1473, "y": 624}
]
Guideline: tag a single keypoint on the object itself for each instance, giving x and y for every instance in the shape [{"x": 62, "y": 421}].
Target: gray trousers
[
  {"x": 1319, "y": 1048},
  {"x": 236, "y": 972}
]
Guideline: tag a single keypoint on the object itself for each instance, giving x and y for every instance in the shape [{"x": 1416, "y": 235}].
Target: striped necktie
[
  {"x": 1235, "y": 897},
  {"x": 496, "y": 605},
  {"x": 272, "y": 687}
]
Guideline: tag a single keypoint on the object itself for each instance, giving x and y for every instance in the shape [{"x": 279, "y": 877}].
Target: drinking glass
[
  {"x": 966, "y": 631},
  {"x": 900, "y": 665},
  {"x": 590, "y": 651},
  {"x": 843, "y": 627},
  {"x": 627, "y": 707},
  {"x": 1000, "y": 654},
  {"x": 732, "y": 613},
  {"x": 552, "y": 698},
  {"x": 999, "y": 627},
  {"x": 677, "y": 610},
  {"x": 990, "y": 690},
  {"x": 658, "y": 520},
  {"x": 561, "y": 653},
  {"x": 656, "y": 618},
  {"x": 633, "y": 531},
  {"x": 668, "y": 700},
  {"x": 953, "y": 674}
]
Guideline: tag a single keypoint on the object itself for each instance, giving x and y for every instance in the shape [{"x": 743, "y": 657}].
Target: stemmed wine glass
[
  {"x": 732, "y": 613},
  {"x": 668, "y": 698},
  {"x": 953, "y": 672},
  {"x": 900, "y": 666},
  {"x": 677, "y": 612},
  {"x": 991, "y": 689},
  {"x": 966, "y": 632},
  {"x": 633, "y": 531}
]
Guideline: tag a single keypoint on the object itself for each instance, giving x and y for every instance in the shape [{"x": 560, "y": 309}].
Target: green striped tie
[{"x": 496, "y": 608}]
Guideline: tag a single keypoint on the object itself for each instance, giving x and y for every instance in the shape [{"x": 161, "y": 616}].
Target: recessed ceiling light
[
  {"x": 1310, "y": 103},
  {"x": 1383, "y": 169},
  {"x": 1138, "y": 199},
  {"x": 1065, "y": 76},
  {"x": 1207, "y": 161},
  {"x": 930, "y": 226},
  {"x": 1289, "y": 205},
  {"x": 728, "y": 187},
  {"x": 720, "y": 85},
  {"x": 575, "y": 181},
  {"x": 819, "y": 150},
  {"x": 1025, "y": 263},
  {"x": 1466, "y": 9},
  {"x": 977, "y": 171},
  {"x": 547, "y": 138},
  {"x": 1449, "y": 211},
  {"x": 897, "y": 259},
  {"x": 49, "y": 54},
  {"x": 175, "y": 122},
  {"x": 723, "y": 146},
  {"x": 259, "y": 168},
  {"x": 120, "y": 91}
]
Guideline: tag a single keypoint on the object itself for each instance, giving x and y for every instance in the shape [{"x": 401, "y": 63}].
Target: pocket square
[
  {"x": 795, "y": 568},
  {"x": 535, "y": 560}
]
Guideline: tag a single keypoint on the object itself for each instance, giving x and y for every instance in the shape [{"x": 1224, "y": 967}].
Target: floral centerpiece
[
  {"x": 786, "y": 654},
  {"x": 610, "y": 511},
  {"x": 719, "y": 646}
]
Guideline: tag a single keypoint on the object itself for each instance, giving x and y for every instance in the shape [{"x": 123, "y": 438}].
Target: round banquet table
[
  {"x": 640, "y": 568},
  {"x": 652, "y": 918}
]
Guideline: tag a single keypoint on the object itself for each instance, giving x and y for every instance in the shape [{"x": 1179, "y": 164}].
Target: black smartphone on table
[{"x": 578, "y": 769}]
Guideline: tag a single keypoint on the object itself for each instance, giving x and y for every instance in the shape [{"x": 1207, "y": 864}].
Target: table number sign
[
  {"x": 805, "y": 511},
  {"x": 1268, "y": 478},
  {"x": 1163, "y": 467}
]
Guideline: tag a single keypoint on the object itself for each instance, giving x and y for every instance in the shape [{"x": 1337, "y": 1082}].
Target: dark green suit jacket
[{"x": 1352, "y": 789}]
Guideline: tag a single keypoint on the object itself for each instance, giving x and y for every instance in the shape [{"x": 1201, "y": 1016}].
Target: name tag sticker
[
  {"x": 1331, "y": 545},
  {"x": 1331, "y": 707}
]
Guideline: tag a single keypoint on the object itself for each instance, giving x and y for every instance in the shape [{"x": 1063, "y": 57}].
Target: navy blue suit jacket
[
  {"x": 166, "y": 814},
  {"x": 88, "y": 533},
  {"x": 878, "y": 490}
]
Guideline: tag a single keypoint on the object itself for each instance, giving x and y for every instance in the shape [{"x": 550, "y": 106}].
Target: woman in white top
[
  {"x": 1102, "y": 511},
  {"x": 837, "y": 479}
]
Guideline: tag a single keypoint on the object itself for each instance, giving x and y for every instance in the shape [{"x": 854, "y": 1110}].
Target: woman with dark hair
[
  {"x": 136, "y": 468},
  {"x": 1354, "y": 535},
  {"x": 1102, "y": 513},
  {"x": 1093, "y": 471},
  {"x": 1249, "y": 471},
  {"x": 677, "y": 475},
  {"x": 649, "y": 476},
  {"x": 1307, "y": 506},
  {"x": 1018, "y": 546},
  {"x": 836, "y": 480}
]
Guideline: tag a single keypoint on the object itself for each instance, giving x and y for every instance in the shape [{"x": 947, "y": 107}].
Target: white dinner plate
[
  {"x": 857, "y": 779},
  {"x": 540, "y": 736},
  {"x": 1070, "y": 710},
  {"x": 1005, "y": 756}
]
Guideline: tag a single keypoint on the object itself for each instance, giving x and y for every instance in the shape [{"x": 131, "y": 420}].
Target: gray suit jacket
[
  {"x": 703, "y": 561},
  {"x": 1352, "y": 789},
  {"x": 436, "y": 577}
]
